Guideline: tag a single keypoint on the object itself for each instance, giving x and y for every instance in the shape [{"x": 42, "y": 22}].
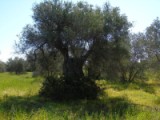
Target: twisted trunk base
[{"x": 73, "y": 68}]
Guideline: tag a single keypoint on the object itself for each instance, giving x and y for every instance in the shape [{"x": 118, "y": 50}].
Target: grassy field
[{"x": 133, "y": 101}]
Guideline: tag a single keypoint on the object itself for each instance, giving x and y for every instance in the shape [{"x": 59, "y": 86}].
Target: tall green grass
[
  {"x": 19, "y": 100},
  {"x": 18, "y": 85}
]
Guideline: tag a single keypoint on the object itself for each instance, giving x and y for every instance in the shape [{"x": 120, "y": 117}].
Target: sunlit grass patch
[
  {"x": 137, "y": 92},
  {"x": 20, "y": 85},
  {"x": 130, "y": 101}
]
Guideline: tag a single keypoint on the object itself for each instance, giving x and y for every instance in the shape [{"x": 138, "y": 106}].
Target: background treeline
[{"x": 15, "y": 65}]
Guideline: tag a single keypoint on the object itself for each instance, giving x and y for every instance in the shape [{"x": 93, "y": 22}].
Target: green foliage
[
  {"x": 16, "y": 65},
  {"x": 77, "y": 31},
  {"x": 69, "y": 89},
  {"x": 128, "y": 60},
  {"x": 67, "y": 37},
  {"x": 153, "y": 36},
  {"x": 2, "y": 66},
  {"x": 45, "y": 64}
]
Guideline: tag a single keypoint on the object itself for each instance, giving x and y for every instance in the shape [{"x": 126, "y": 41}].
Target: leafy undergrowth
[{"x": 131, "y": 101}]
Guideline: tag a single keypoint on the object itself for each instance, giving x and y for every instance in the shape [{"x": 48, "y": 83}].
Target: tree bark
[{"x": 73, "y": 68}]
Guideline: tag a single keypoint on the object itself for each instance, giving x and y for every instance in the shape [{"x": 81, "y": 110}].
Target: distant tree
[
  {"x": 139, "y": 48},
  {"x": 134, "y": 66},
  {"x": 2, "y": 66},
  {"x": 16, "y": 65},
  {"x": 127, "y": 61},
  {"x": 153, "y": 39},
  {"x": 153, "y": 46}
]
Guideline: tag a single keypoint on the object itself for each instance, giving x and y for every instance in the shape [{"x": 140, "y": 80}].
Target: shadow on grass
[
  {"x": 25, "y": 104},
  {"x": 106, "y": 106},
  {"x": 137, "y": 85},
  {"x": 145, "y": 87},
  {"x": 117, "y": 105}
]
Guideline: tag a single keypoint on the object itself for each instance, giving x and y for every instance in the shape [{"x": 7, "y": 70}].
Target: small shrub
[{"x": 69, "y": 89}]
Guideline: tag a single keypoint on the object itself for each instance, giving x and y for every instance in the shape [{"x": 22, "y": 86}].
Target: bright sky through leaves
[{"x": 15, "y": 14}]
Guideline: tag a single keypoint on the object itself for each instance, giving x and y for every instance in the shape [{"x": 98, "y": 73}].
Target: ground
[{"x": 138, "y": 100}]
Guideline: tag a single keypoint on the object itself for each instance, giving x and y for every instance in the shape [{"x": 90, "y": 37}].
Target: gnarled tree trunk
[{"x": 73, "y": 68}]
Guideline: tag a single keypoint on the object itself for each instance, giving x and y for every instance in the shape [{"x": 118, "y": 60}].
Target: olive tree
[
  {"x": 153, "y": 39},
  {"x": 79, "y": 32},
  {"x": 16, "y": 65},
  {"x": 2, "y": 66}
]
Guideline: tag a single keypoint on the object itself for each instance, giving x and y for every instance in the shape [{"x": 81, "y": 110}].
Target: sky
[{"x": 15, "y": 14}]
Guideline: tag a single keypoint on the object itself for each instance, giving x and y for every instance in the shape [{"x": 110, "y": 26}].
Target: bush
[{"x": 69, "y": 89}]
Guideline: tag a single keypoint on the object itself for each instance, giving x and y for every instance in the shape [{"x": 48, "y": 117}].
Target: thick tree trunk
[{"x": 72, "y": 68}]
